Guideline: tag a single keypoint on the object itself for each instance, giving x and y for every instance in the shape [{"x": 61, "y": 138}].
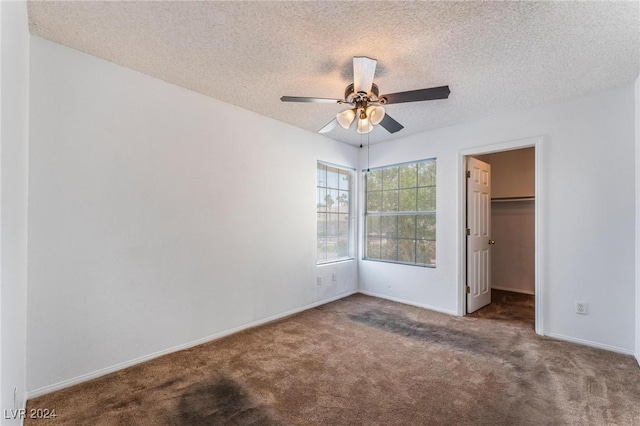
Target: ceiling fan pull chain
[{"x": 368, "y": 154}]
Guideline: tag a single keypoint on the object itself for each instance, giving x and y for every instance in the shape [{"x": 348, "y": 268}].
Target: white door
[{"x": 478, "y": 234}]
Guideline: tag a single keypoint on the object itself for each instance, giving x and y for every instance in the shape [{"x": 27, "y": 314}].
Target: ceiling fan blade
[
  {"x": 311, "y": 100},
  {"x": 363, "y": 71},
  {"x": 390, "y": 124},
  {"x": 430, "y": 94},
  {"x": 329, "y": 126}
]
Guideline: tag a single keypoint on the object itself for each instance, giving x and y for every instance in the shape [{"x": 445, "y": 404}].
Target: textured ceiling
[{"x": 494, "y": 56}]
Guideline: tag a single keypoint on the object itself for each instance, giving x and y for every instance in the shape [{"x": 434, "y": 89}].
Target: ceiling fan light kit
[
  {"x": 366, "y": 103},
  {"x": 346, "y": 117},
  {"x": 364, "y": 126},
  {"x": 375, "y": 114}
]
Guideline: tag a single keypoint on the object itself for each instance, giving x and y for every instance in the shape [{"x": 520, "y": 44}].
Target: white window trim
[
  {"x": 363, "y": 239},
  {"x": 352, "y": 215}
]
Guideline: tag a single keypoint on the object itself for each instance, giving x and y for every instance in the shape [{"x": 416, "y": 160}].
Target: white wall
[
  {"x": 159, "y": 217},
  {"x": 14, "y": 87},
  {"x": 588, "y": 214},
  {"x": 637, "y": 116}
]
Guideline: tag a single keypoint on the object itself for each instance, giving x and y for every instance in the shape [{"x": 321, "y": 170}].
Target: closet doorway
[{"x": 511, "y": 266}]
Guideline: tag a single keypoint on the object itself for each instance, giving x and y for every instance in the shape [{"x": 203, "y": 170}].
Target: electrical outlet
[
  {"x": 334, "y": 277},
  {"x": 581, "y": 308},
  {"x": 319, "y": 281}
]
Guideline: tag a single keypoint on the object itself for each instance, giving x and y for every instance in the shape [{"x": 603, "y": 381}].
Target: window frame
[
  {"x": 351, "y": 214},
  {"x": 428, "y": 225}
]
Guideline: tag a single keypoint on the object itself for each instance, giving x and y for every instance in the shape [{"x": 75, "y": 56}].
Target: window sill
[
  {"x": 333, "y": 262},
  {"x": 395, "y": 262}
]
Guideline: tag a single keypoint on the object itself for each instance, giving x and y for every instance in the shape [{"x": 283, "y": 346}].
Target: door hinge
[
  {"x": 468, "y": 174},
  {"x": 468, "y": 289},
  {"x": 468, "y": 231}
]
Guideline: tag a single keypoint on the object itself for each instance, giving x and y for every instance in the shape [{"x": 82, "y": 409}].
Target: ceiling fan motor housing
[{"x": 353, "y": 98}]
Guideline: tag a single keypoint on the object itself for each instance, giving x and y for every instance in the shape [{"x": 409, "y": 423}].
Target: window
[
  {"x": 400, "y": 213},
  {"x": 335, "y": 218}
]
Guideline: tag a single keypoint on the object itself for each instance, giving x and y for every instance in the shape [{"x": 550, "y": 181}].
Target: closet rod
[{"x": 509, "y": 199}]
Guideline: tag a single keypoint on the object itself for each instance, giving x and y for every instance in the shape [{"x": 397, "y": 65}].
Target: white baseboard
[
  {"x": 638, "y": 358},
  {"x": 104, "y": 371},
  {"x": 407, "y": 302},
  {"x": 590, "y": 343},
  {"x": 513, "y": 290}
]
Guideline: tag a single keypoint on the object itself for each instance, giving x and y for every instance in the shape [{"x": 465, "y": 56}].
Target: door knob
[{"x": 492, "y": 242}]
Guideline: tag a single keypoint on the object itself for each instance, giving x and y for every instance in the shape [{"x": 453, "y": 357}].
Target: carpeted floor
[
  {"x": 366, "y": 361},
  {"x": 516, "y": 308}
]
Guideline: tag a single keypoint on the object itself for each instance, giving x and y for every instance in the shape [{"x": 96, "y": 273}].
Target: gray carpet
[{"x": 366, "y": 361}]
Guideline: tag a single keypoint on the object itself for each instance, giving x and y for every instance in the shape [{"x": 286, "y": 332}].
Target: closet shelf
[{"x": 511, "y": 199}]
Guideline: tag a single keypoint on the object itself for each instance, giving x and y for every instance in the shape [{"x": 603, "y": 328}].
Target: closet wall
[{"x": 513, "y": 219}]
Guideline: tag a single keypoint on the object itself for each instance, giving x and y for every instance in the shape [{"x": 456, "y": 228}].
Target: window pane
[
  {"x": 374, "y": 180},
  {"x": 344, "y": 180},
  {"x": 426, "y": 227},
  {"x": 390, "y": 201},
  {"x": 322, "y": 199},
  {"x": 392, "y": 230},
  {"x": 427, "y": 199},
  {"x": 407, "y": 251},
  {"x": 390, "y": 178},
  {"x": 388, "y": 249},
  {"x": 427, "y": 173},
  {"x": 373, "y": 248},
  {"x": 408, "y": 176},
  {"x": 343, "y": 201},
  {"x": 322, "y": 225},
  {"x": 343, "y": 225},
  {"x": 333, "y": 221},
  {"x": 374, "y": 201},
  {"x": 389, "y": 226},
  {"x": 333, "y": 177},
  {"x": 322, "y": 250},
  {"x": 426, "y": 252},
  {"x": 408, "y": 200},
  {"x": 343, "y": 246},
  {"x": 332, "y": 200},
  {"x": 407, "y": 227},
  {"x": 322, "y": 243},
  {"x": 322, "y": 175},
  {"x": 335, "y": 217},
  {"x": 333, "y": 232},
  {"x": 373, "y": 226},
  {"x": 332, "y": 248}
]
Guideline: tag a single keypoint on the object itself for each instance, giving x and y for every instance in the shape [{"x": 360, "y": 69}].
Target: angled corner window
[
  {"x": 334, "y": 203},
  {"x": 400, "y": 213}
]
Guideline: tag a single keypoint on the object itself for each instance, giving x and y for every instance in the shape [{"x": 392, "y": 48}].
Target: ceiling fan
[{"x": 366, "y": 102}]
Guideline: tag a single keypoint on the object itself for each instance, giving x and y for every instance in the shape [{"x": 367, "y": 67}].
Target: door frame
[{"x": 537, "y": 143}]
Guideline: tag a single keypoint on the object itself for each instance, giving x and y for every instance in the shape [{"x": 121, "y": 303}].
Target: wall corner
[{"x": 637, "y": 193}]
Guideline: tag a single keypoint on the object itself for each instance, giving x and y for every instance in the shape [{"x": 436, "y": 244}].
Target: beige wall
[
  {"x": 513, "y": 222},
  {"x": 512, "y": 173}
]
